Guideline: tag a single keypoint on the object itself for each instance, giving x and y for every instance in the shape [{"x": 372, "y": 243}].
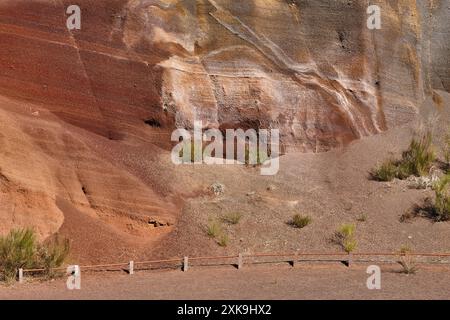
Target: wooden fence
[{"x": 240, "y": 260}]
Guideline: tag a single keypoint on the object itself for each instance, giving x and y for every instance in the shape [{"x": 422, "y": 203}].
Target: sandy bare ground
[
  {"x": 332, "y": 188},
  {"x": 256, "y": 282}
]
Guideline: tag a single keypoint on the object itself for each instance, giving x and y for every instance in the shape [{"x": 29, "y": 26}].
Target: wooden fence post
[
  {"x": 185, "y": 264},
  {"x": 131, "y": 268},
  {"x": 240, "y": 261},
  {"x": 350, "y": 259},
  {"x": 294, "y": 260},
  {"x": 20, "y": 275}
]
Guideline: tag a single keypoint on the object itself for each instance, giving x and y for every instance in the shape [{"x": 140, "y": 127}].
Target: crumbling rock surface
[{"x": 86, "y": 113}]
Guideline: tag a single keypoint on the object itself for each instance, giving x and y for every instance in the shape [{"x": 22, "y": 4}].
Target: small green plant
[
  {"x": 442, "y": 202},
  {"x": 350, "y": 245},
  {"x": 347, "y": 230},
  {"x": 232, "y": 218},
  {"x": 257, "y": 157},
  {"x": 407, "y": 262},
  {"x": 419, "y": 158},
  {"x": 300, "y": 221},
  {"x": 447, "y": 150},
  {"x": 17, "y": 250},
  {"x": 417, "y": 161},
  {"x": 345, "y": 236},
  {"x": 53, "y": 254},
  {"x": 223, "y": 240},
  {"x": 20, "y": 249},
  {"x": 195, "y": 153},
  {"x": 387, "y": 171},
  {"x": 214, "y": 229}
]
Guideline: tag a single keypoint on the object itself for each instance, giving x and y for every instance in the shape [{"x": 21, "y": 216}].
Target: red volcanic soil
[
  {"x": 86, "y": 118},
  {"x": 86, "y": 83},
  {"x": 78, "y": 157}
]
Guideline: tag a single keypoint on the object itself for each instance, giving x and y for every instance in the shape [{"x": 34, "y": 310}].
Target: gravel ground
[{"x": 255, "y": 282}]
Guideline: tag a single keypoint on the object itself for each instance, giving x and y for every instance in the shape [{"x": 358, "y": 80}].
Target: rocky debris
[
  {"x": 414, "y": 182},
  {"x": 422, "y": 182},
  {"x": 347, "y": 205},
  {"x": 158, "y": 223},
  {"x": 217, "y": 189},
  {"x": 425, "y": 182}
]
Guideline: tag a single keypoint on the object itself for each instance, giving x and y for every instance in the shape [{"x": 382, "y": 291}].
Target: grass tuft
[
  {"x": 214, "y": 229},
  {"x": 345, "y": 237},
  {"x": 419, "y": 158},
  {"x": 20, "y": 249},
  {"x": 223, "y": 240},
  {"x": 407, "y": 262},
  {"x": 447, "y": 150},
  {"x": 300, "y": 221},
  {"x": 442, "y": 202},
  {"x": 387, "y": 171},
  {"x": 232, "y": 218},
  {"x": 255, "y": 158},
  {"x": 53, "y": 254},
  {"x": 17, "y": 250},
  {"x": 416, "y": 161}
]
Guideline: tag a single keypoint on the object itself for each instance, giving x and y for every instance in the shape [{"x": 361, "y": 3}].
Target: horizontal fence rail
[{"x": 238, "y": 260}]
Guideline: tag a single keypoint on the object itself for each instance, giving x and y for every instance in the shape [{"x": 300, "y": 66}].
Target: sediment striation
[{"x": 86, "y": 113}]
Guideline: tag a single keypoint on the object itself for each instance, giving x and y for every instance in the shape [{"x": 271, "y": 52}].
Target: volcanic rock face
[
  {"x": 309, "y": 68},
  {"x": 85, "y": 113}
]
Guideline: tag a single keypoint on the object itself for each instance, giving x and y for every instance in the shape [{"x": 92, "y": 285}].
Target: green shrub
[
  {"x": 196, "y": 152},
  {"x": 53, "y": 254},
  {"x": 442, "y": 202},
  {"x": 232, "y": 218},
  {"x": 17, "y": 250},
  {"x": 349, "y": 245},
  {"x": 20, "y": 249},
  {"x": 387, "y": 171},
  {"x": 214, "y": 229},
  {"x": 223, "y": 240},
  {"x": 260, "y": 157},
  {"x": 407, "y": 262},
  {"x": 345, "y": 236},
  {"x": 403, "y": 171},
  {"x": 447, "y": 149},
  {"x": 417, "y": 161},
  {"x": 347, "y": 230},
  {"x": 300, "y": 221},
  {"x": 419, "y": 158}
]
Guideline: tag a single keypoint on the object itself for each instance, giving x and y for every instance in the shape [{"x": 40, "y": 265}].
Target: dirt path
[{"x": 259, "y": 282}]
